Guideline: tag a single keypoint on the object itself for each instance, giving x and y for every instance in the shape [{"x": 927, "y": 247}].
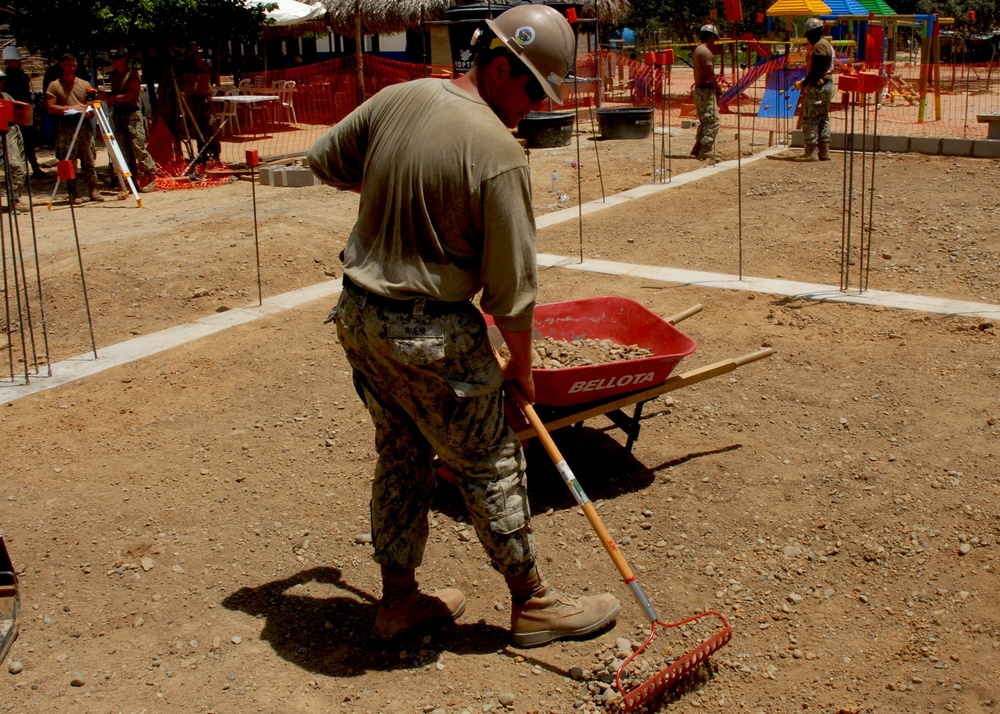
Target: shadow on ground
[{"x": 325, "y": 627}]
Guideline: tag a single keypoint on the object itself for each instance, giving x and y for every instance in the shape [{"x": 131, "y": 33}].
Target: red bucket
[{"x": 620, "y": 320}]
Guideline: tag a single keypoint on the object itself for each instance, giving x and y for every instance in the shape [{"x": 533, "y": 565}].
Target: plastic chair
[
  {"x": 245, "y": 84},
  {"x": 230, "y": 111},
  {"x": 285, "y": 93}
]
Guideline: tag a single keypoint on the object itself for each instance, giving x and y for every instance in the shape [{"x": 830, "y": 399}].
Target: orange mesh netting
[{"x": 284, "y": 112}]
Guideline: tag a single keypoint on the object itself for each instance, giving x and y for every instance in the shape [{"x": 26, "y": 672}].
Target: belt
[
  {"x": 126, "y": 110},
  {"x": 415, "y": 306},
  {"x": 704, "y": 86}
]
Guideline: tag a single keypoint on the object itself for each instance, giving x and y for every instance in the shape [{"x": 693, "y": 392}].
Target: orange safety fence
[
  {"x": 919, "y": 100},
  {"x": 284, "y": 114},
  {"x": 295, "y": 107}
]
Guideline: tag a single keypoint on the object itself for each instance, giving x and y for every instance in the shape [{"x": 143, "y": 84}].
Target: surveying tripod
[{"x": 110, "y": 143}]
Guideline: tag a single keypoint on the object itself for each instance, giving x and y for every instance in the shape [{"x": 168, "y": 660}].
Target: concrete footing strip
[{"x": 86, "y": 365}]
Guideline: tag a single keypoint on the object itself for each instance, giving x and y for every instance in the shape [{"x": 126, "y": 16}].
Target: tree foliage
[
  {"x": 85, "y": 26},
  {"x": 681, "y": 19}
]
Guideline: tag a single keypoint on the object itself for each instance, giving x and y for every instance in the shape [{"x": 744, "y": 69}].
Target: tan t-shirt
[
  {"x": 704, "y": 65},
  {"x": 445, "y": 206},
  {"x": 69, "y": 96}
]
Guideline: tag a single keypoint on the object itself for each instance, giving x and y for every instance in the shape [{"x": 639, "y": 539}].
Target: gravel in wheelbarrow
[{"x": 620, "y": 321}]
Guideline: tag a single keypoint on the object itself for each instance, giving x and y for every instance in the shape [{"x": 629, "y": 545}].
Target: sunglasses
[{"x": 534, "y": 89}]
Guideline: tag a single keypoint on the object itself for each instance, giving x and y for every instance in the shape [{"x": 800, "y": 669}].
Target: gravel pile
[{"x": 551, "y": 353}]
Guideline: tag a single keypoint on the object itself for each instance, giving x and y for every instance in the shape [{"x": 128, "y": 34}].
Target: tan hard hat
[
  {"x": 711, "y": 29},
  {"x": 542, "y": 39},
  {"x": 814, "y": 23}
]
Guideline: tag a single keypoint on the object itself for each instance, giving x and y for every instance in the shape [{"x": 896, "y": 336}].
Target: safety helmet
[
  {"x": 710, "y": 29},
  {"x": 117, "y": 51},
  {"x": 542, "y": 39},
  {"x": 814, "y": 23},
  {"x": 10, "y": 52}
]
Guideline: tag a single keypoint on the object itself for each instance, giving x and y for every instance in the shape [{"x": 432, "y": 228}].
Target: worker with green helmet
[
  {"x": 445, "y": 215},
  {"x": 819, "y": 92}
]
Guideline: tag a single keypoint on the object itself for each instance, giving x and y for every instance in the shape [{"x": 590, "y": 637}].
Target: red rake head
[{"x": 674, "y": 672}]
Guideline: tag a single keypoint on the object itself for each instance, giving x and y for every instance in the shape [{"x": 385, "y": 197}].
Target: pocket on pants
[
  {"x": 416, "y": 342},
  {"x": 507, "y": 503}
]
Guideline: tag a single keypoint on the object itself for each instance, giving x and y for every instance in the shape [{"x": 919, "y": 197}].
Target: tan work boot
[
  {"x": 395, "y": 618},
  {"x": 551, "y": 615},
  {"x": 149, "y": 187},
  {"x": 696, "y": 150},
  {"x": 824, "y": 151},
  {"x": 809, "y": 155}
]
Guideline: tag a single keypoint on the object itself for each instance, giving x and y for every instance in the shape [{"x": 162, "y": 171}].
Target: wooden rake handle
[{"x": 581, "y": 498}]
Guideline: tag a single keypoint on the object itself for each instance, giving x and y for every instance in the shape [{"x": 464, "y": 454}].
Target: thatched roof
[{"x": 387, "y": 16}]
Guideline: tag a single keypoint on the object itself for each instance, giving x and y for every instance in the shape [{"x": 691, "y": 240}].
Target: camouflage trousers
[
  {"x": 131, "y": 135},
  {"x": 15, "y": 161},
  {"x": 82, "y": 150},
  {"x": 708, "y": 117},
  {"x": 816, "y": 113},
  {"x": 432, "y": 386}
]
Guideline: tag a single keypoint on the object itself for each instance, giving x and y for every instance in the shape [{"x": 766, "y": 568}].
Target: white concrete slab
[
  {"x": 573, "y": 213},
  {"x": 789, "y": 288}
]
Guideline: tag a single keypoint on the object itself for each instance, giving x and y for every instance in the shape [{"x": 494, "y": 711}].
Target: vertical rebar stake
[{"x": 253, "y": 158}]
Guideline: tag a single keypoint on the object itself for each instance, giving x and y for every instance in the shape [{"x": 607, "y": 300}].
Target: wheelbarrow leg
[
  {"x": 629, "y": 424},
  {"x": 10, "y": 603}
]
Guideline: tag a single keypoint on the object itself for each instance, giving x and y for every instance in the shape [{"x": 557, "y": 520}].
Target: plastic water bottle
[{"x": 555, "y": 182}]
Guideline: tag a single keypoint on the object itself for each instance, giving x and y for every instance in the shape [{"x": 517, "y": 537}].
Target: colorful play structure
[{"x": 761, "y": 60}]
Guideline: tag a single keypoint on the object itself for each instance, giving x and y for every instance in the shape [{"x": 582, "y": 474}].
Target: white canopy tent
[{"x": 291, "y": 12}]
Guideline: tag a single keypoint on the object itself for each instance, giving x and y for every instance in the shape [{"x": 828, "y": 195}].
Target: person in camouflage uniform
[
  {"x": 706, "y": 93},
  {"x": 127, "y": 120},
  {"x": 65, "y": 100},
  {"x": 14, "y": 160},
  {"x": 819, "y": 93},
  {"x": 445, "y": 214}
]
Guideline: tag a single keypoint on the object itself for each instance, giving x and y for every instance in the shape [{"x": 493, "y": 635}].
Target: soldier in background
[
  {"x": 819, "y": 91},
  {"x": 706, "y": 93},
  {"x": 127, "y": 119},
  {"x": 15, "y": 159},
  {"x": 18, "y": 86}
]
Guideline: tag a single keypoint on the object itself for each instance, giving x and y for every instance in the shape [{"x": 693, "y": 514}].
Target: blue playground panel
[{"x": 780, "y": 99}]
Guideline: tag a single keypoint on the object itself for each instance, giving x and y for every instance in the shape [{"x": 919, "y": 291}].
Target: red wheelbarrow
[{"x": 570, "y": 396}]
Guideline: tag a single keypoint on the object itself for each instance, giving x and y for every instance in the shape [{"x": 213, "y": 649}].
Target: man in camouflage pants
[
  {"x": 66, "y": 99},
  {"x": 15, "y": 160},
  {"x": 706, "y": 93},
  {"x": 127, "y": 119},
  {"x": 819, "y": 92},
  {"x": 445, "y": 214}
]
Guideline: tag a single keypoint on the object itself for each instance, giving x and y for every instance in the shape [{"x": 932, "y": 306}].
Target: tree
[{"x": 88, "y": 26}]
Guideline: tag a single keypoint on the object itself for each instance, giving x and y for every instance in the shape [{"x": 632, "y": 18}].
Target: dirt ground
[{"x": 189, "y": 529}]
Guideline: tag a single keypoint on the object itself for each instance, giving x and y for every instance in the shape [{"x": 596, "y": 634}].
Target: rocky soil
[{"x": 190, "y": 529}]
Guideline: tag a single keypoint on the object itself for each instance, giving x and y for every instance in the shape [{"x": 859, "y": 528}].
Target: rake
[{"x": 685, "y": 664}]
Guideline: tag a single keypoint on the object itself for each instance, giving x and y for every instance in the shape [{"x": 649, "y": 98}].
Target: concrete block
[
  {"x": 267, "y": 176},
  {"x": 857, "y": 141},
  {"x": 986, "y": 148},
  {"x": 894, "y": 143},
  {"x": 925, "y": 144},
  {"x": 295, "y": 177},
  {"x": 797, "y": 138},
  {"x": 956, "y": 147},
  {"x": 837, "y": 140},
  {"x": 686, "y": 124}
]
